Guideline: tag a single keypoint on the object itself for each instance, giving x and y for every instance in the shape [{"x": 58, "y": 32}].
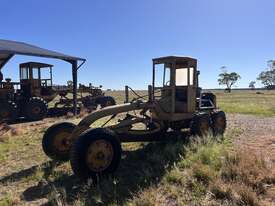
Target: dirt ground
[
  {"x": 258, "y": 136},
  {"x": 258, "y": 133}
]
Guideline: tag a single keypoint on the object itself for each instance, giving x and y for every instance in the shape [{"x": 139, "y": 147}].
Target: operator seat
[{"x": 181, "y": 99}]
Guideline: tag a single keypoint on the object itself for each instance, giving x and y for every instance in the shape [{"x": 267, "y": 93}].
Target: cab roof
[
  {"x": 35, "y": 64},
  {"x": 167, "y": 59},
  {"x": 180, "y": 61}
]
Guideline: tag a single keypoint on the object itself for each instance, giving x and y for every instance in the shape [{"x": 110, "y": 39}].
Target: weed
[{"x": 9, "y": 200}]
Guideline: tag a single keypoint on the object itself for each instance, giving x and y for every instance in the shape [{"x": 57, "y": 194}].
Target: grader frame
[{"x": 177, "y": 104}]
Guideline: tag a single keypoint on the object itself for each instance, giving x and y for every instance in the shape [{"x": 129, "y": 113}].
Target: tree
[
  {"x": 267, "y": 77},
  {"x": 228, "y": 78},
  {"x": 252, "y": 85}
]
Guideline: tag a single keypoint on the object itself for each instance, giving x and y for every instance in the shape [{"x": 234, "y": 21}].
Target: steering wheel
[{"x": 167, "y": 83}]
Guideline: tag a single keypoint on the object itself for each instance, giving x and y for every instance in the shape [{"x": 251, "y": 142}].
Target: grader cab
[
  {"x": 174, "y": 102},
  {"x": 36, "y": 80},
  {"x": 179, "y": 89}
]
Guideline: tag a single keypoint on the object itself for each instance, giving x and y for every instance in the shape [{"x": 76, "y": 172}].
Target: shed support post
[{"x": 74, "y": 73}]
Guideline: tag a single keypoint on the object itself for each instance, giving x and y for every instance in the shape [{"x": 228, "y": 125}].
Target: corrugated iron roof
[{"x": 10, "y": 48}]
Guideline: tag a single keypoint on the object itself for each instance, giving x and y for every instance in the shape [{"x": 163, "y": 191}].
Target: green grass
[
  {"x": 238, "y": 101},
  {"x": 247, "y": 102},
  {"x": 8, "y": 201},
  {"x": 243, "y": 101}
]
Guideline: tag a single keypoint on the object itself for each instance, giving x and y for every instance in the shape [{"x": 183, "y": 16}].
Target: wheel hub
[
  {"x": 99, "y": 155},
  {"x": 62, "y": 141},
  {"x": 36, "y": 110}
]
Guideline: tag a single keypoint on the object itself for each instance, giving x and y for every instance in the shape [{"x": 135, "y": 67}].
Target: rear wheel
[
  {"x": 200, "y": 125},
  {"x": 36, "y": 109},
  {"x": 8, "y": 111},
  {"x": 95, "y": 153},
  {"x": 218, "y": 123},
  {"x": 107, "y": 101},
  {"x": 56, "y": 142}
]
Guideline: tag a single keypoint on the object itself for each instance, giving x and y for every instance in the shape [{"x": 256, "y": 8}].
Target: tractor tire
[
  {"x": 218, "y": 123},
  {"x": 56, "y": 142},
  {"x": 200, "y": 125},
  {"x": 96, "y": 153},
  {"x": 107, "y": 101},
  {"x": 35, "y": 109},
  {"x": 8, "y": 111}
]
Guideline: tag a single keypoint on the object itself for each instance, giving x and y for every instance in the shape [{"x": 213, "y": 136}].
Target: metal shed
[{"x": 10, "y": 48}]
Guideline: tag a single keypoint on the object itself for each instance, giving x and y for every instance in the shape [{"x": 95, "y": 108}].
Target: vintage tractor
[
  {"x": 176, "y": 104},
  {"x": 29, "y": 98}
]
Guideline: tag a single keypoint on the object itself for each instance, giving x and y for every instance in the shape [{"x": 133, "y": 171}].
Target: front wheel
[
  {"x": 97, "y": 152},
  {"x": 56, "y": 142}
]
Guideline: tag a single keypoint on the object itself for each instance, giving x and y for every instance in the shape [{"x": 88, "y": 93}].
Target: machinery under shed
[
  {"x": 25, "y": 97},
  {"x": 30, "y": 96}
]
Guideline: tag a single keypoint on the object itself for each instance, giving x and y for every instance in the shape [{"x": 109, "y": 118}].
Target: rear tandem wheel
[
  {"x": 107, "y": 101},
  {"x": 35, "y": 109},
  {"x": 201, "y": 125},
  {"x": 218, "y": 123}
]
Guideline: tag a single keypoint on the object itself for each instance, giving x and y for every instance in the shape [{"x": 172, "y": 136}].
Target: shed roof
[{"x": 10, "y": 48}]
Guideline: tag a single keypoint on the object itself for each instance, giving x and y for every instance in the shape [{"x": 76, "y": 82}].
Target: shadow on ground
[
  {"x": 17, "y": 176},
  {"x": 138, "y": 170},
  {"x": 52, "y": 113}
]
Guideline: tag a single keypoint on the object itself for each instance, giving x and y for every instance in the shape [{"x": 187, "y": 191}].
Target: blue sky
[{"x": 119, "y": 38}]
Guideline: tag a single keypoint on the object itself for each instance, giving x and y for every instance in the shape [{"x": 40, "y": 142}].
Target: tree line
[{"x": 266, "y": 77}]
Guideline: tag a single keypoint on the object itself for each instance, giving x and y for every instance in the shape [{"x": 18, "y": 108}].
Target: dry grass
[
  {"x": 7, "y": 131},
  {"x": 213, "y": 174},
  {"x": 205, "y": 172}
]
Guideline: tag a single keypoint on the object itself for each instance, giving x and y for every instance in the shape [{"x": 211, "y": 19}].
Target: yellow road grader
[{"x": 174, "y": 102}]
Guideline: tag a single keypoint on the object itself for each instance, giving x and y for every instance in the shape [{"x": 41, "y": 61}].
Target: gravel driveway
[{"x": 258, "y": 133}]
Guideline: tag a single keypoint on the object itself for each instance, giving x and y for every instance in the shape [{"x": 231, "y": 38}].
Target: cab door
[
  {"x": 185, "y": 92},
  {"x": 25, "y": 82}
]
